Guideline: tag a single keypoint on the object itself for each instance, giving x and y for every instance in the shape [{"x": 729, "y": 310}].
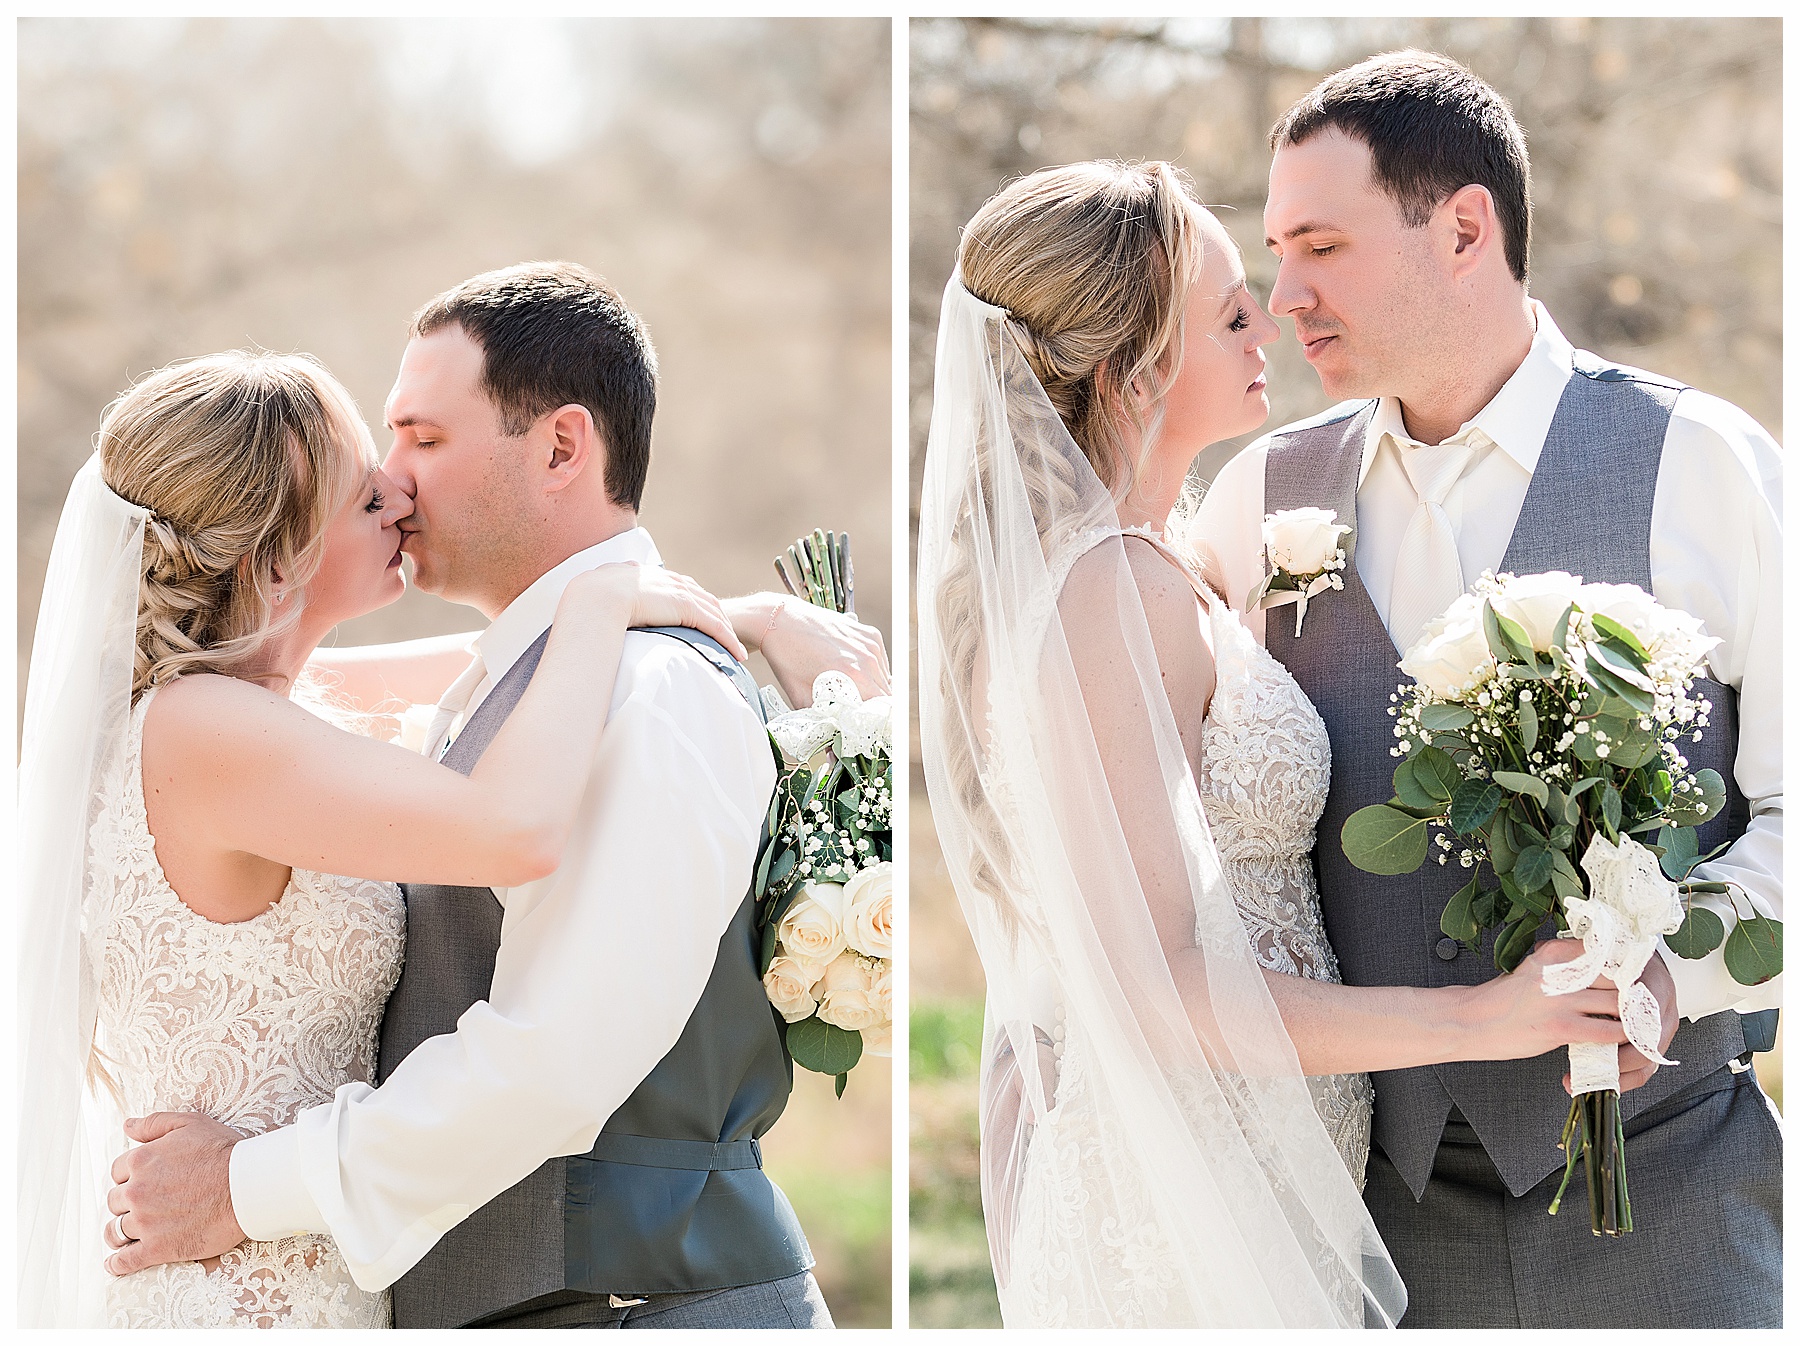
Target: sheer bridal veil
[
  {"x": 77, "y": 707},
  {"x": 1150, "y": 1150}
]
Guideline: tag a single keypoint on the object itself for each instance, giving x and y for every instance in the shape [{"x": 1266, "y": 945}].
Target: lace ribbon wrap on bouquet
[{"x": 1629, "y": 906}]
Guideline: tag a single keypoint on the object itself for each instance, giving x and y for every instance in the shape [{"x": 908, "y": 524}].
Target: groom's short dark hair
[
  {"x": 1433, "y": 127},
  {"x": 554, "y": 334}
]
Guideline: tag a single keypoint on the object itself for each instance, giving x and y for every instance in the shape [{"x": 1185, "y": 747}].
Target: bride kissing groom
[
  {"x": 554, "y": 1119},
  {"x": 1141, "y": 777}
]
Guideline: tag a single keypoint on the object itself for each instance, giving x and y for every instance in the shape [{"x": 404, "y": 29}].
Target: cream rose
[
  {"x": 812, "y": 930},
  {"x": 1452, "y": 653},
  {"x": 846, "y": 997},
  {"x": 790, "y": 990},
  {"x": 1303, "y": 541},
  {"x": 869, "y": 911},
  {"x": 1537, "y": 603},
  {"x": 878, "y": 1041}
]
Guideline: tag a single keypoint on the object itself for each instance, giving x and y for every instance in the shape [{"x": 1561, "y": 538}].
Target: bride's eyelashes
[
  {"x": 1242, "y": 320},
  {"x": 376, "y": 504}
]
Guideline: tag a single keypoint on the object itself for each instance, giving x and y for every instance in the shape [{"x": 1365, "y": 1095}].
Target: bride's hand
[
  {"x": 1512, "y": 1017},
  {"x": 653, "y": 596}
]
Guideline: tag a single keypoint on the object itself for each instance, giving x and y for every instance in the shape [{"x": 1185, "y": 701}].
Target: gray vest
[
  {"x": 672, "y": 1197},
  {"x": 1587, "y": 511}
]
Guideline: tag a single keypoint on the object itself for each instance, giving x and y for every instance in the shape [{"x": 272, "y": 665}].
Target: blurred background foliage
[
  {"x": 1656, "y": 180},
  {"x": 190, "y": 186}
]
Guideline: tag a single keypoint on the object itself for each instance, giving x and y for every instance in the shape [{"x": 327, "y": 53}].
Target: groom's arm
[
  {"x": 600, "y": 967},
  {"x": 1716, "y": 552}
]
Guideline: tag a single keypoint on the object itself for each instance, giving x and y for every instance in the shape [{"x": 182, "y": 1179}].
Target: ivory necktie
[
  {"x": 1428, "y": 571},
  {"x": 454, "y": 701}
]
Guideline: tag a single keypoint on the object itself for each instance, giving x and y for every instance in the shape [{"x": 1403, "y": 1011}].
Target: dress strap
[{"x": 1202, "y": 590}]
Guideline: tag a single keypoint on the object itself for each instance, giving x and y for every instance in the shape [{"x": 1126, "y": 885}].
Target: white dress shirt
[
  {"x": 1715, "y": 552},
  {"x": 599, "y": 968}
]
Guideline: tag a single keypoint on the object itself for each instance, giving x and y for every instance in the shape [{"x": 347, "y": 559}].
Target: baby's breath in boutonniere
[{"x": 1304, "y": 553}]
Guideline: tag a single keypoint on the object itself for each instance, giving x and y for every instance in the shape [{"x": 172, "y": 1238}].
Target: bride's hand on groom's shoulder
[
  {"x": 801, "y": 641},
  {"x": 654, "y": 596},
  {"x": 171, "y": 1201}
]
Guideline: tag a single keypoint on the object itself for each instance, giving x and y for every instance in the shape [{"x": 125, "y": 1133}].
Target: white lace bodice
[
  {"x": 249, "y": 1022},
  {"x": 1265, "y": 769}
]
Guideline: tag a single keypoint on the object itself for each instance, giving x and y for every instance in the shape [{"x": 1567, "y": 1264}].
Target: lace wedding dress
[
  {"x": 249, "y": 1022},
  {"x": 1265, "y": 772}
]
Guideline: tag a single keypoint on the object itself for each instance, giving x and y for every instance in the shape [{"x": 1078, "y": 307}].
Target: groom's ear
[
  {"x": 1472, "y": 229},
  {"x": 574, "y": 447}
]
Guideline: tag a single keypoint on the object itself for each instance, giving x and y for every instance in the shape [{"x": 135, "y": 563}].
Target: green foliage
[
  {"x": 823, "y": 1047},
  {"x": 1458, "y": 920},
  {"x": 1700, "y": 934},
  {"x": 1382, "y": 840},
  {"x": 1753, "y": 950}
]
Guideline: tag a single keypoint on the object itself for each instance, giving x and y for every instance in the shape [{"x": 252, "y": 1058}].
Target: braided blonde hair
[
  {"x": 242, "y": 459},
  {"x": 1093, "y": 262}
]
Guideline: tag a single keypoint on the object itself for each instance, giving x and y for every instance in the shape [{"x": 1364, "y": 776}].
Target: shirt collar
[
  {"x": 1518, "y": 418},
  {"x": 529, "y": 615}
]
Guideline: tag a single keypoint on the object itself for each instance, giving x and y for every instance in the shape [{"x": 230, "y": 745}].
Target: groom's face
[
  {"x": 469, "y": 481},
  {"x": 1360, "y": 284}
]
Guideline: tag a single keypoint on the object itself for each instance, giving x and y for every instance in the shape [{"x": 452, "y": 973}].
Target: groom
[
  {"x": 1477, "y": 438},
  {"x": 574, "y": 1073}
]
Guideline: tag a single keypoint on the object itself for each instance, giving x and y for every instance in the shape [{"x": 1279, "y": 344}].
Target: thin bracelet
[{"x": 775, "y": 616}]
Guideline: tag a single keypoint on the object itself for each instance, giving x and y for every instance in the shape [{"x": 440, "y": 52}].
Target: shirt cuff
[{"x": 268, "y": 1194}]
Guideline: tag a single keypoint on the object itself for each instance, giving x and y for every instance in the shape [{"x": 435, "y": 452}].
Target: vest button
[{"x": 1447, "y": 949}]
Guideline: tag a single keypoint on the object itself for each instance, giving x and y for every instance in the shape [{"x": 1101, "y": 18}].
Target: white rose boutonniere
[{"x": 1303, "y": 549}]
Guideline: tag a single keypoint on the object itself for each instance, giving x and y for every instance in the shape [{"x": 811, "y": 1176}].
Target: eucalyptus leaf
[
  {"x": 1411, "y": 792},
  {"x": 1501, "y": 852},
  {"x": 1613, "y": 630},
  {"x": 1472, "y": 804},
  {"x": 1559, "y": 639},
  {"x": 1562, "y": 836},
  {"x": 1533, "y": 868},
  {"x": 1445, "y": 716},
  {"x": 1584, "y": 785},
  {"x": 1505, "y": 637},
  {"x": 1611, "y": 806},
  {"x": 1380, "y": 839},
  {"x": 1457, "y": 921},
  {"x": 1436, "y": 773},
  {"x": 1753, "y": 951},
  {"x": 1521, "y": 783},
  {"x": 1700, "y": 933},
  {"x": 1528, "y": 726},
  {"x": 823, "y": 1047},
  {"x": 1681, "y": 851},
  {"x": 1515, "y": 941},
  {"x": 1565, "y": 882},
  {"x": 1712, "y": 796}
]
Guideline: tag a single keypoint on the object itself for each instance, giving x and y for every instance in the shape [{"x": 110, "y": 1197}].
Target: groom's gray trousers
[
  {"x": 1473, "y": 1255},
  {"x": 1703, "y": 1152}
]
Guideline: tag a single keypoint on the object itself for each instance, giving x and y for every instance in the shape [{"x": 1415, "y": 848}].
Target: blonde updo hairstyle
[
  {"x": 242, "y": 459},
  {"x": 1094, "y": 262}
]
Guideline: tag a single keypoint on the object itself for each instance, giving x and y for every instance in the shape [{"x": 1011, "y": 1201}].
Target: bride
[
  {"x": 207, "y": 925},
  {"x": 1175, "y": 1112}
]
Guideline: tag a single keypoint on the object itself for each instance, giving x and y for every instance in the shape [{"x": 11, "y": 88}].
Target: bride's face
[
  {"x": 359, "y": 569},
  {"x": 1219, "y": 391}
]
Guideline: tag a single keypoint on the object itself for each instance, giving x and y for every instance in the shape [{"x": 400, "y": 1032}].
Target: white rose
[
  {"x": 846, "y": 997},
  {"x": 790, "y": 990},
  {"x": 1675, "y": 639},
  {"x": 1303, "y": 541},
  {"x": 812, "y": 930},
  {"x": 1537, "y": 603},
  {"x": 869, "y": 911},
  {"x": 881, "y": 990},
  {"x": 1452, "y": 653}
]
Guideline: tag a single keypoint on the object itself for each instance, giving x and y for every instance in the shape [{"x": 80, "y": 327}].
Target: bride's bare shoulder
[
  {"x": 1099, "y": 584},
  {"x": 203, "y": 710}
]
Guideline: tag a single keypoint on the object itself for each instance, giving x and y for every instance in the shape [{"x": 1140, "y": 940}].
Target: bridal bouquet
[
  {"x": 825, "y": 883},
  {"x": 1541, "y": 743}
]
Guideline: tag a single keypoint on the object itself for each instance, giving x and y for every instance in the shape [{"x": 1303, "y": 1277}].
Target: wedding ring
[{"x": 118, "y": 1228}]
